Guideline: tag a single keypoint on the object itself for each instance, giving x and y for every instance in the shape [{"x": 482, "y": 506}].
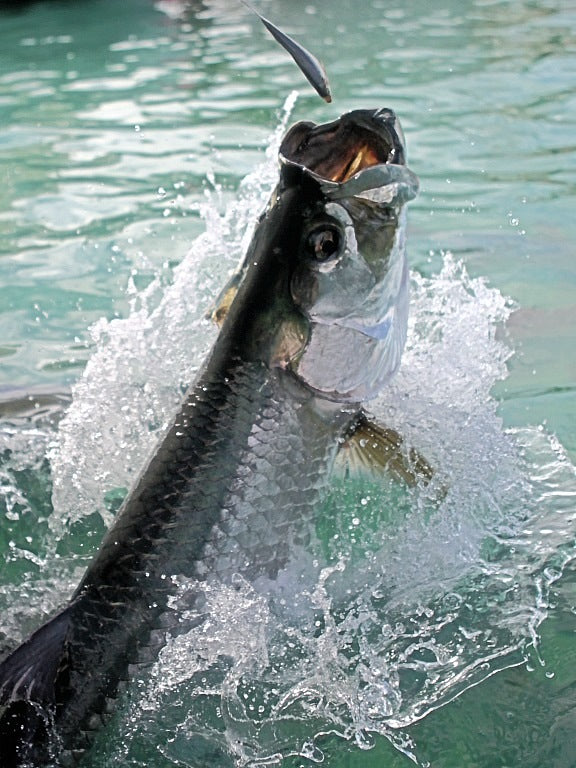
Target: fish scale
[{"x": 214, "y": 534}]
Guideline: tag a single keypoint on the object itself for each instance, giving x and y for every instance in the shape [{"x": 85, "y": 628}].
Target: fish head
[{"x": 349, "y": 279}]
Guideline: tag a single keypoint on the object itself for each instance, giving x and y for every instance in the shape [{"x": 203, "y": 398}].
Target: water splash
[
  {"x": 135, "y": 379},
  {"x": 31, "y": 582}
]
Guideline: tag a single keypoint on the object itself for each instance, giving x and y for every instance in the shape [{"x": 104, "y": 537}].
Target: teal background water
[{"x": 118, "y": 117}]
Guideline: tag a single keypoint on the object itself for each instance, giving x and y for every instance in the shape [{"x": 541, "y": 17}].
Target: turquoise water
[{"x": 129, "y": 133}]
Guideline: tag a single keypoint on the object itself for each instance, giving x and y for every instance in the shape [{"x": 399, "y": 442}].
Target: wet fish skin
[{"x": 237, "y": 477}]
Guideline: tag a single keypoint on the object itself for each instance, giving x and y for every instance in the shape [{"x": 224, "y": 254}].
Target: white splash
[{"x": 135, "y": 379}]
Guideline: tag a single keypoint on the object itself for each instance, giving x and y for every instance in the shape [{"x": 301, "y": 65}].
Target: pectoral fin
[
  {"x": 371, "y": 448},
  {"x": 224, "y": 300}
]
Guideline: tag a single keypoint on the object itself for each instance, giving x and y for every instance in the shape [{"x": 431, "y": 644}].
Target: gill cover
[{"x": 352, "y": 282}]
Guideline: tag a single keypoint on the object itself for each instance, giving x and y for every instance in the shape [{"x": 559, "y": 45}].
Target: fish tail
[{"x": 29, "y": 678}]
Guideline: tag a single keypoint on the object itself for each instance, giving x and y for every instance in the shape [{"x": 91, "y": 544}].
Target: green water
[{"x": 118, "y": 119}]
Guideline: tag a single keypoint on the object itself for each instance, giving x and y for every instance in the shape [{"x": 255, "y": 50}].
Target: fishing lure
[{"x": 309, "y": 65}]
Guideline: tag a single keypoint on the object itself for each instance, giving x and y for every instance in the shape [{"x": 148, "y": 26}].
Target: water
[{"x": 134, "y": 161}]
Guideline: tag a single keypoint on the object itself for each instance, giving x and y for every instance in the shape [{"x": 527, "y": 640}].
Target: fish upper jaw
[
  {"x": 338, "y": 150},
  {"x": 362, "y": 154}
]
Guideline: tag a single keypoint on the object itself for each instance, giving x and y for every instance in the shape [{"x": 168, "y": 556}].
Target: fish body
[{"x": 316, "y": 326}]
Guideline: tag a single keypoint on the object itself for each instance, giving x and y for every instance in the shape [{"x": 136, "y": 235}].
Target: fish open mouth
[{"x": 337, "y": 151}]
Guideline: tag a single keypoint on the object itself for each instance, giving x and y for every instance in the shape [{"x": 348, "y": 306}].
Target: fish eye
[{"x": 323, "y": 242}]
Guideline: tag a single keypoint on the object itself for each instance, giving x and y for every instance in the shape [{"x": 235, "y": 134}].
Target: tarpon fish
[{"x": 312, "y": 326}]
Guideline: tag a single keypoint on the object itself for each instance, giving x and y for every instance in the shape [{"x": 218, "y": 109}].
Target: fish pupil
[{"x": 324, "y": 243}]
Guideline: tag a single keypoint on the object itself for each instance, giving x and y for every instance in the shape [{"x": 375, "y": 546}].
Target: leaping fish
[{"x": 312, "y": 326}]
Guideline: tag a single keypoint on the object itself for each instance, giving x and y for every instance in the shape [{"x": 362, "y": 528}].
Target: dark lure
[
  {"x": 311, "y": 68},
  {"x": 313, "y": 325}
]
